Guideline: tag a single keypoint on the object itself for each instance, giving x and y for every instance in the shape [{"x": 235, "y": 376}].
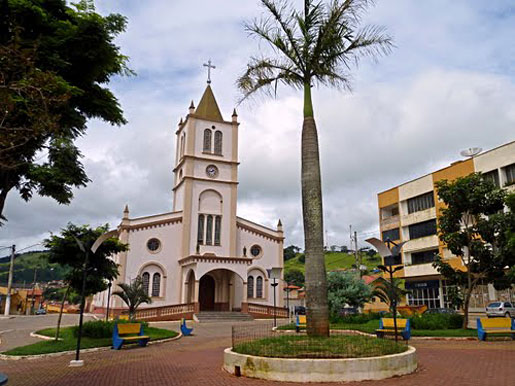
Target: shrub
[
  {"x": 98, "y": 329},
  {"x": 356, "y": 319},
  {"x": 437, "y": 321}
]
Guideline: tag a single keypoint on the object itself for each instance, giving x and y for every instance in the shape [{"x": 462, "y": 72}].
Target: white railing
[
  {"x": 263, "y": 309},
  {"x": 165, "y": 311}
]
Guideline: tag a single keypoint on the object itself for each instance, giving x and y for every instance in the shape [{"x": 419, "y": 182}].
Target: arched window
[
  {"x": 209, "y": 230},
  {"x": 218, "y": 142},
  {"x": 218, "y": 224},
  {"x": 207, "y": 140},
  {"x": 250, "y": 287},
  {"x": 200, "y": 235},
  {"x": 145, "y": 279},
  {"x": 156, "y": 284},
  {"x": 259, "y": 287}
]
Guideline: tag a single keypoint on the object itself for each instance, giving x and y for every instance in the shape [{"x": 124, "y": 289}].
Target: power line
[{"x": 30, "y": 246}]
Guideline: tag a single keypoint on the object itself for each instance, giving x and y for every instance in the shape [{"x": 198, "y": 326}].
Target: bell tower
[{"x": 206, "y": 178}]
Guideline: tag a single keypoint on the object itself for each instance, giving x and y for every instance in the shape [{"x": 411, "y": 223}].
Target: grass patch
[
  {"x": 337, "y": 346},
  {"x": 69, "y": 342},
  {"x": 372, "y": 325},
  {"x": 333, "y": 261}
]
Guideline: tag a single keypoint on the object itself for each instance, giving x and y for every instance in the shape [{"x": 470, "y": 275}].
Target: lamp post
[
  {"x": 77, "y": 362},
  {"x": 389, "y": 255},
  {"x": 288, "y": 300},
  {"x": 274, "y": 274},
  {"x": 108, "y": 299}
]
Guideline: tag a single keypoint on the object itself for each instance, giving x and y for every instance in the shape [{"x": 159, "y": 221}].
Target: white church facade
[{"x": 201, "y": 256}]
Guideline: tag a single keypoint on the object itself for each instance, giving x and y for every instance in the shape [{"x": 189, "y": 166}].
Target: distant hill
[
  {"x": 26, "y": 264},
  {"x": 334, "y": 261}
]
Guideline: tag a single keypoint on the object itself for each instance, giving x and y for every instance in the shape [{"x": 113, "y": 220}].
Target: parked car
[
  {"x": 346, "y": 311},
  {"x": 502, "y": 309},
  {"x": 300, "y": 310},
  {"x": 41, "y": 311},
  {"x": 440, "y": 311}
]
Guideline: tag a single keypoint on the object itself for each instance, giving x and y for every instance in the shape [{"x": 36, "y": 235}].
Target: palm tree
[
  {"x": 388, "y": 292},
  {"x": 133, "y": 294},
  {"x": 316, "y": 46}
]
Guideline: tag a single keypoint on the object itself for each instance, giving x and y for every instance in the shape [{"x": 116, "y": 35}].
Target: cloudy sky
[{"x": 448, "y": 85}]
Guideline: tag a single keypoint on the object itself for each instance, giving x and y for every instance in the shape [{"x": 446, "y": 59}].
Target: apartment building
[{"x": 410, "y": 212}]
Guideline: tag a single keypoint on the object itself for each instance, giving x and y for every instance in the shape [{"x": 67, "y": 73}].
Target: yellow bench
[
  {"x": 486, "y": 326},
  {"x": 300, "y": 322},
  {"x": 130, "y": 333},
  {"x": 386, "y": 326}
]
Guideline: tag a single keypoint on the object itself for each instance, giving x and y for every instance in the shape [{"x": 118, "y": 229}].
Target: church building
[{"x": 201, "y": 256}]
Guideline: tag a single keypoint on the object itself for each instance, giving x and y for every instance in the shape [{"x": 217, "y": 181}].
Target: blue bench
[
  {"x": 503, "y": 326},
  {"x": 184, "y": 329},
  {"x": 129, "y": 333},
  {"x": 386, "y": 326}
]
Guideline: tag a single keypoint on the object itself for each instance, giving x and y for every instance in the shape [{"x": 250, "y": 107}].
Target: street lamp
[
  {"x": 389, "y": 256},
  {"x": 108, "y": 299},
  {"x": 288, "y": 289},
  {"x": 77, "y": 362},
  {"x": 274, "y": 274}
]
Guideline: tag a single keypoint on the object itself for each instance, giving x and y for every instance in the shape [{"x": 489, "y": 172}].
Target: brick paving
[{"x": 197, "y": 361}]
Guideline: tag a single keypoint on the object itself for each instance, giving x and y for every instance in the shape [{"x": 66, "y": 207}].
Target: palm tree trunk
[{"x": 316, "y": 279}]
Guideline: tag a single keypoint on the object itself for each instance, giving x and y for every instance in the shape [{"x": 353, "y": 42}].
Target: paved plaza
[{"x": 197, "y": 360}]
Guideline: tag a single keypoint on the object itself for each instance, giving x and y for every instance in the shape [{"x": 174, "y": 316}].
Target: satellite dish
[{"x": 471, "y": 151}]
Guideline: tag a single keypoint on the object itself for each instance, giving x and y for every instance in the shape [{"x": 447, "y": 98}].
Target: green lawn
[
  {"x": 334, "y": 261},
  {"x": 69, "y": 342},
  {"x": 302, "y": 346},
  {"x": 372, "y": 325}
]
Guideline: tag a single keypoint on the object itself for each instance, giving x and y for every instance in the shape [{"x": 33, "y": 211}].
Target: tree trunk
[
  {"x": 61, "y": 313},
  {"x": 316, "y": 279},
  {"x": 466, "y": 302}
]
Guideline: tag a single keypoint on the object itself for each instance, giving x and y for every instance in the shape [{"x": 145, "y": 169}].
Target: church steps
[{"x": 213, "y": 317}]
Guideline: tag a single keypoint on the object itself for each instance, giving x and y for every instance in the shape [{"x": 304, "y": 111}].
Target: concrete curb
[
  {"x": 321, "y": 370},
  {"x": 87, "y": 350},
  {"x": 44, "y": 337}
]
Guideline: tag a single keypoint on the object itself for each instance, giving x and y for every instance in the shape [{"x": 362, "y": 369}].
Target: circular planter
[{"x": 320, "y": 370}]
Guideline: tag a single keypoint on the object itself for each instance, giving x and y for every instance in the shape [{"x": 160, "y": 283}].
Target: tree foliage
[
  {"x": 290, "y": 252},
  {"x": 316, "y": 45},
  {"x": 388, "y": 292},
  {"x": 346, "y": 288},
  {"x": 55, "y": 61},
  {"x": 294, "y": 277},
  {"x": 133, "y": 295},
  {"x": 64, "y": 250},
  {"x": 475, "y": 227}
]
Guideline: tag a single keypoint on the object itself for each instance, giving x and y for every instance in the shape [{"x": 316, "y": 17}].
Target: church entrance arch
[{"x": 207, "y": 293}]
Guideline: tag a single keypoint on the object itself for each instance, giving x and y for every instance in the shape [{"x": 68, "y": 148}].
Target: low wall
[{"x": 320, "y": 370}]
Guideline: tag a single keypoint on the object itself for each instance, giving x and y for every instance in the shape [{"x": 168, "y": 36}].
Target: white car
[{"x": 502, "y": 309}]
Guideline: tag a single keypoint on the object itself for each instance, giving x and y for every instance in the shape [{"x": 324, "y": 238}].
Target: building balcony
[
  {"x": 421, "y": 243},
  {"x": 419, "y": 270},
  {"x": 390, "y": 222},
  {"x": 420, "y": 216}
]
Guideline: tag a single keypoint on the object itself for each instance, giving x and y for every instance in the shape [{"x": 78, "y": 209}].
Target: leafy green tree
[
  {"x": 55, "y": 61},
  {"x": 294, "y": 277},
  {"x": 387, "y": 291},
  {"x": 475, "y": 228},
  {"x": 290, "y": 252},
  {"x": 313, "y": 46},
  {"x": 346, "y": 288},
  {"x": 100, "y": 270},
  {"x": 134, "y": 295}
]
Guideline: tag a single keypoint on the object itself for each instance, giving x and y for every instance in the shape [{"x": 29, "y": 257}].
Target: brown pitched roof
[{"x": 208, "y": 108}]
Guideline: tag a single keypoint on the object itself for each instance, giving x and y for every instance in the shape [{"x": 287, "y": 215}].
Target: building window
[
  {"x": 200, "y": 234},
  {"x": 156, "y": 284},
  {"x": 259, "y": 287},
  {"x": 422, "y": 229},
  {"x": 390, "y": 211},
  {"x": 250, "y": 287},
  {"x": 424, "y": 257},
  {"x": 207, "y": 140},
  {"x": 153, "y": 244},
  {"x": 218, "y": 142},
  {"x": 510, "y": 174},
  {"x": 255, "y": 250},
  {"x": 492, "y": 176},
  {"x": 145, "y": 278},
  {"x": 218, "y": 225},
  {"x": 209, "y": 230},
  {"x": 392, "y": 234},
  {"x": 422, "y": 202}
]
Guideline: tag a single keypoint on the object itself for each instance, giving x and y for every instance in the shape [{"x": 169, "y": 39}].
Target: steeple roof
[{"x": 208, "y": 108}]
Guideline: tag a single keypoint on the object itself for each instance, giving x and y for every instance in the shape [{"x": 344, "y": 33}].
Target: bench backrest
[
  {"x": 129, "y": 328},
  {"x": 496, "y": 323},
  {"x": 301, "y": 319},
  {"x": 388, "y": 323}
]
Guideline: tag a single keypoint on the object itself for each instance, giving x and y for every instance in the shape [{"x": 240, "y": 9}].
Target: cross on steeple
[{"x": 209, "y": 67}]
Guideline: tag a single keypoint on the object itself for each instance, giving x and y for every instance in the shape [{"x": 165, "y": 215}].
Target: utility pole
[
  {"x": 356, "y": 255},
  {"x": 10, "y": 282}
]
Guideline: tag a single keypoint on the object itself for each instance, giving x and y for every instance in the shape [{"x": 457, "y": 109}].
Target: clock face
[{"x": 212, "y": 171}]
